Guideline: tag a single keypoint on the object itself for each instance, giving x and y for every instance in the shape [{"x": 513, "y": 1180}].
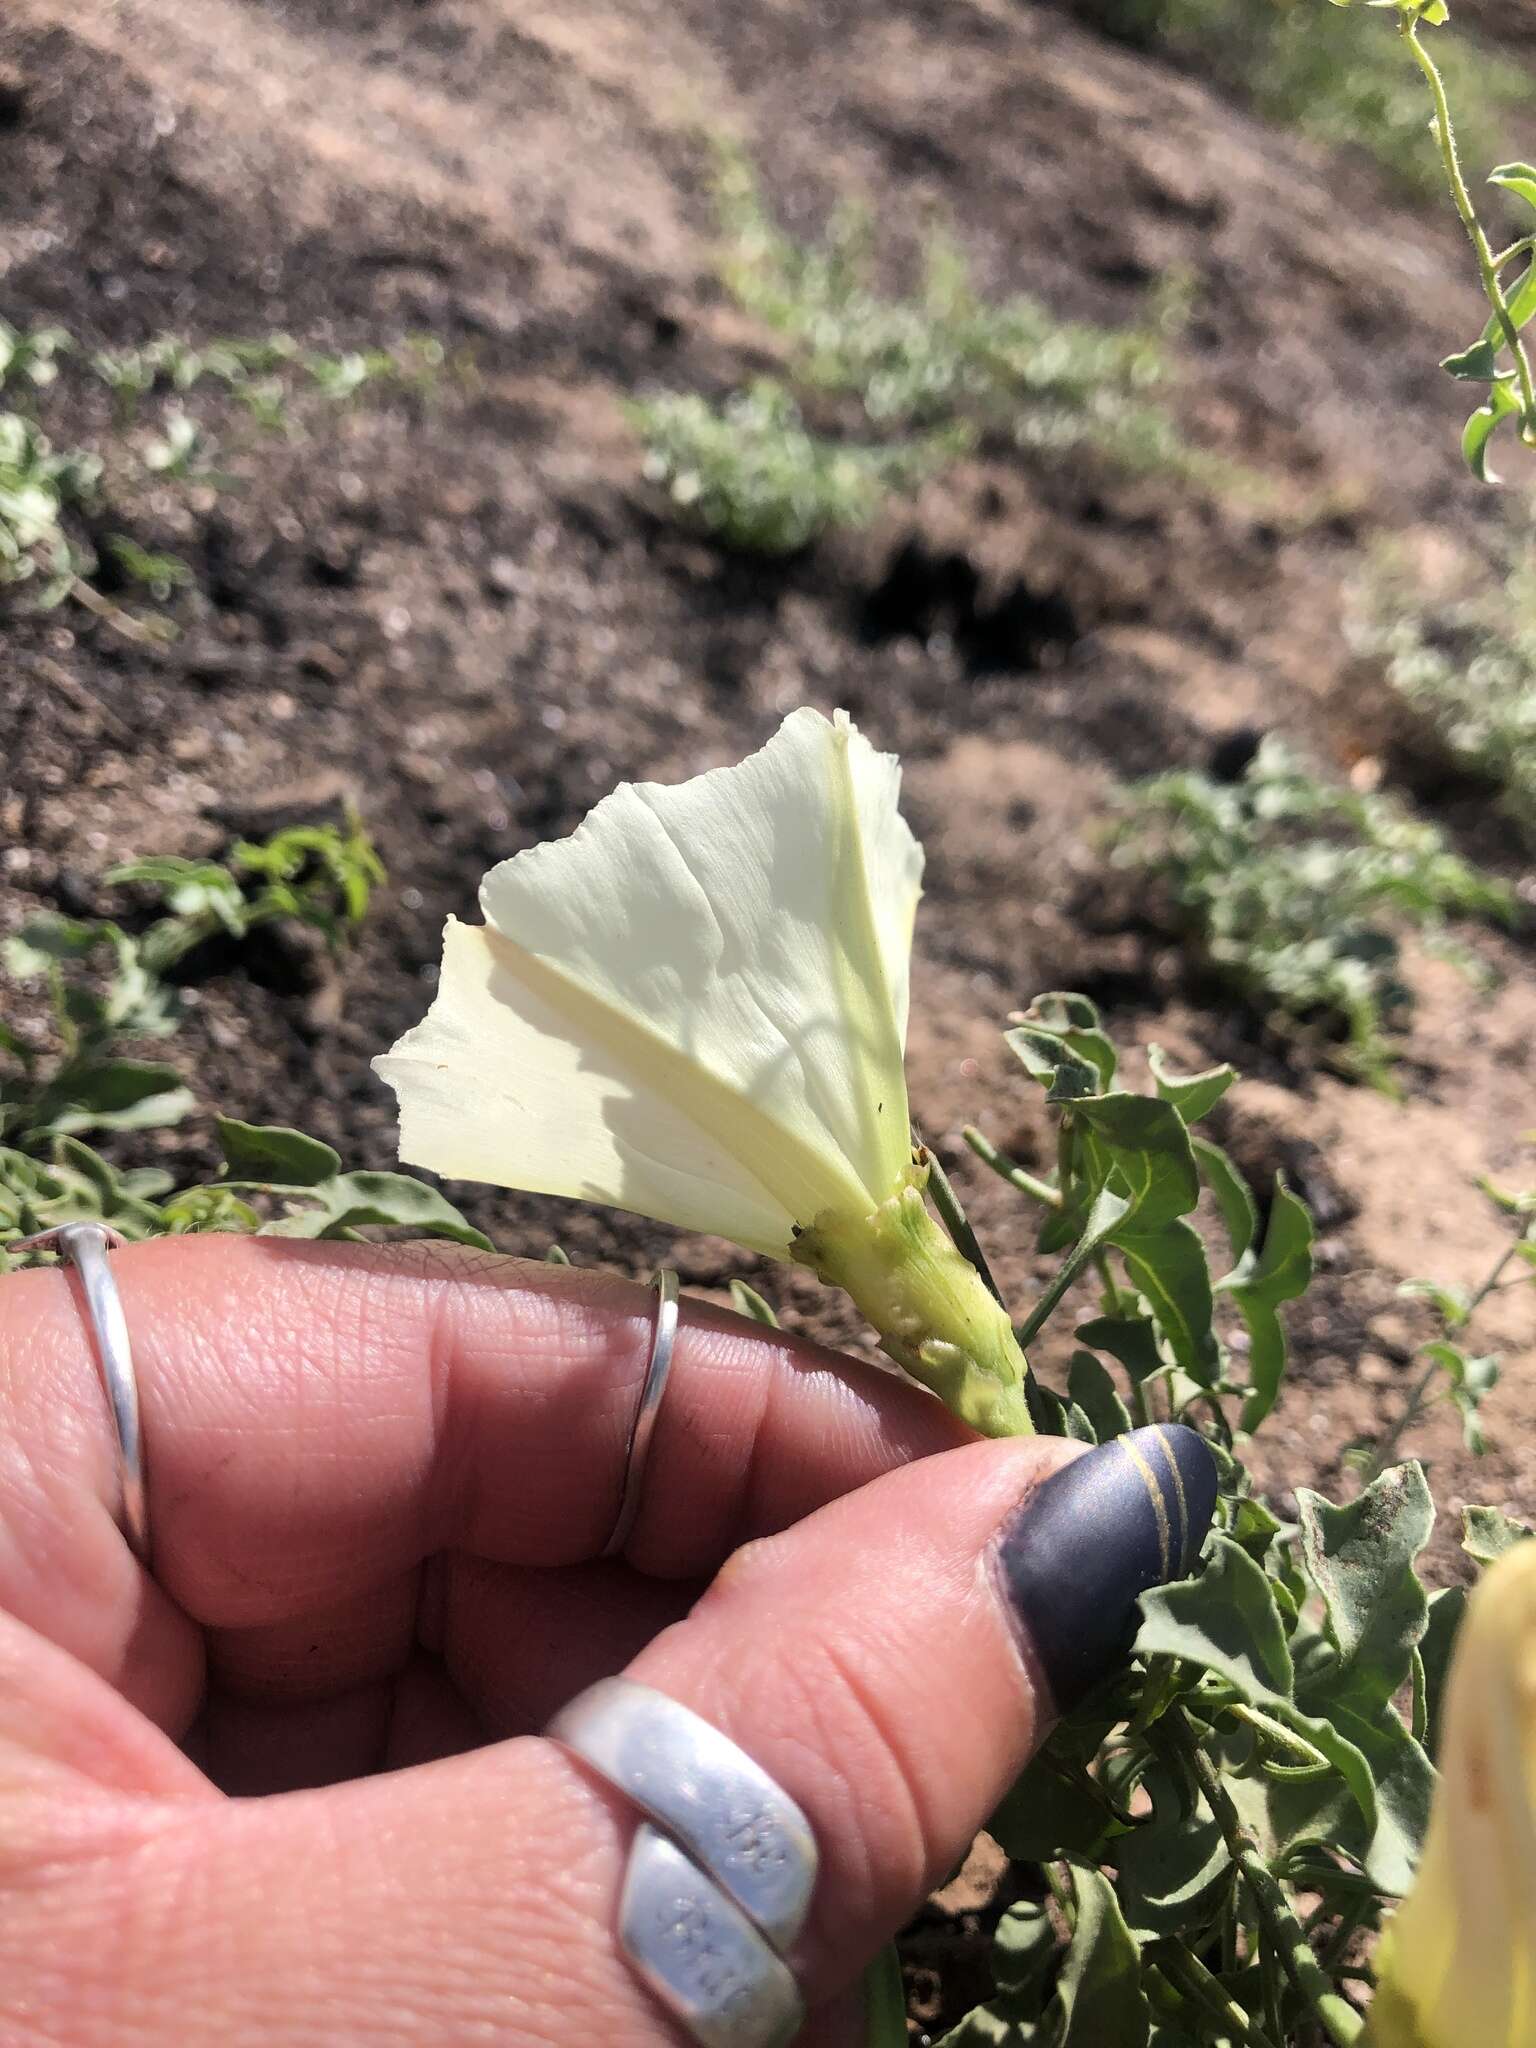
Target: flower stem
[
  {"x": 1488, "y": 265},
  {"x": 954, "y": 1218},
  {"x": 1335, "y": 2015}
]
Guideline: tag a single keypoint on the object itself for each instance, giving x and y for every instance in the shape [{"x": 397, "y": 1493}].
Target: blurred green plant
[
  {"x": 1450, "y": 1373},
  {"x": 751, "y": 473},
  {"x": 105, "y": 990},
  {"x": 1338, "y": 80},
  {"x": 934, "y": 375},
  {"x": 945, "y": 357},
  {"x": 106, "y": 985},
  {"x": 1466, "y": 671},
  {"x": 52, "y": 499},
  {"x": 1499, "y": 357},
  {"x": 1297, "y": 891}
]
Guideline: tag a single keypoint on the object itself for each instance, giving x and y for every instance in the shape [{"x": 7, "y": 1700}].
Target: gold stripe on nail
[
  {"x": 1155, "y": 1495},
  {"x": 1178, "y": 1492}
]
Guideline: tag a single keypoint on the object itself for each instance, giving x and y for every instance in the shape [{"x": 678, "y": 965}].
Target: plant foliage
[
  {"x": 1466, "y": 672},
  {"x": 752, "y": 473},
  {"x": 944, "y": 357},
  {"x": 1217, "y": 1833},
  {"x": 55, "y": 501},
  {"x": 1298, "y": 891},
  {"x": 106, "y": 990}
]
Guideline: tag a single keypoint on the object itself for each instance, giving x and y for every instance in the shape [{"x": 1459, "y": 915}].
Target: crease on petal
[
  {"x": 501, "y": 1083},
  {"x": 757, "y": 919}
]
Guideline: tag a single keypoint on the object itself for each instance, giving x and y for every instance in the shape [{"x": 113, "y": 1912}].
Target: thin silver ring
[
  {"x": 658, "y": 1367},
  {"x": 85, "y": 1247}
]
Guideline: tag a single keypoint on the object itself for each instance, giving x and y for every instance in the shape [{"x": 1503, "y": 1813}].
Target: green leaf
[
  {"x": 1055, "y": 1807},
  {"x": 1130, "y": 1339},
  {"x": 1234, "y": 1197},
  {"x": 885, "y": 2001},
  {"x": 357, "y": 1201},
  {"x": 1446, "y": 1609},
  {"x": 748, "y": 1302},
  {"x": 1520, "y": 304},
  {"x": 1450, "y": 1303},
  {"x": 1148, "y": 1146},
  {"x": 1517, "y": 178},
  {"x": 1174, "y": 1869},
  {"x": 1281, "y": 1272},
  {"x": 1075, "y": 1020},
  {"x": 1024, "y": 1948},
  {"x": 1360, "y": 1558},
  {"x": 1225, "y": 1621},
  {"x": 274, "y": 1154},
  {"x": 1192, "y": 1095},
  {"x": 1168, "y": 1266},
  {"x": 1478, "y": 364},
  {"x": 114, "y": 1095},
  {"x": 1253, "y": 1527},
  {"x": 1067, "y": 1076},
  {"x": 1091, "y": 1387},
  {"x": 1486, "y": 1533},
  {"x": 1023, "y": 1957},
  {"x": 1099, "y": 1988},
  {"x": 1502, "y": 401}
]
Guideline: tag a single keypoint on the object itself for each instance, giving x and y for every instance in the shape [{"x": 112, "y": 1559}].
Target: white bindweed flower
[
  {"x": 1457, "y": 1965},
  {"x": 695, "y": 1008}
]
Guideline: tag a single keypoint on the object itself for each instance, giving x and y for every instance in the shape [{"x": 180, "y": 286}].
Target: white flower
[{"x": 695, "y": 1007}]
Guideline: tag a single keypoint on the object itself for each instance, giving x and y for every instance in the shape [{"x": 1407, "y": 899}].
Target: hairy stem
[
  {"x": 1279, "y": 1925},
  {"x": 1015, "y": 1175},
  {"x": 1488, "y": 265},
  {"x": 1186, "y": 1973}
]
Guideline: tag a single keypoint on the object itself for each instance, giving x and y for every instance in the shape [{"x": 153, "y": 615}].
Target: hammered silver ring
[{"x": 721, "y": 1871}]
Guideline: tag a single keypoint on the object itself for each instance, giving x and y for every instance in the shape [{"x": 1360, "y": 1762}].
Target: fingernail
[{"x": 1090, "y": 1540}]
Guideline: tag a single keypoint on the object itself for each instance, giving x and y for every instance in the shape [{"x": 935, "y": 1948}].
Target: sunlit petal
[{"x": 694, "y": 1007}]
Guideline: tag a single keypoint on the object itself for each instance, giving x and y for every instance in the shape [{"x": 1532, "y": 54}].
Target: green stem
[
  {"x": 1445, "y": 135},
  {"x": 1062, "y": 1893},
  {"x": 1337, "y": 2017},
  {"x": 1415, "y": 1404},
  {"x": 954, "y": 1218},
  {"x": 1186, "y": 1973},
  {"x": 1505, "y": 257},
  {"x": 1010, "y": 1171}
]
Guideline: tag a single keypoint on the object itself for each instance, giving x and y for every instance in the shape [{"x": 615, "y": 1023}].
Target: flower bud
[{"x": 1456, "y": 1967}]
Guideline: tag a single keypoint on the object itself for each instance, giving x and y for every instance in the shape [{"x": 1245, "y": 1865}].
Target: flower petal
[
  {"x": 494, "y": 1085},
  {"x": 694, "y": 1007}
]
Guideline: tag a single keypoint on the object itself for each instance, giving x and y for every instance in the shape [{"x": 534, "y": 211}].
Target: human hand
[{"x": 379, "y": 1482}]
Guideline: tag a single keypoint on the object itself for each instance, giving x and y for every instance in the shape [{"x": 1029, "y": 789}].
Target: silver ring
[
  {"x": 701, "y": 1959},
  {"x": 654, "y": 1385},
  {"x": 704, "y": 1789},
  {"x": 85, "y": 1247},
  {"x": 719, "y": 1886}
]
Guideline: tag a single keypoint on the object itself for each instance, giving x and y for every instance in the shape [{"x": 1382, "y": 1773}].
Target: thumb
[
  {"x": 892, "y": 1661},
  {"x": 896, "y": 1659}
]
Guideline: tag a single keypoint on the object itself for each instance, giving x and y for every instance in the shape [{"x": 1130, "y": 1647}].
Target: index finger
[{"x": 320, "y": 1418}]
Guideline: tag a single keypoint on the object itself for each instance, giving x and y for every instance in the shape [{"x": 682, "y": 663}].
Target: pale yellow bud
[{"x": 1457, "y": 1966}]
